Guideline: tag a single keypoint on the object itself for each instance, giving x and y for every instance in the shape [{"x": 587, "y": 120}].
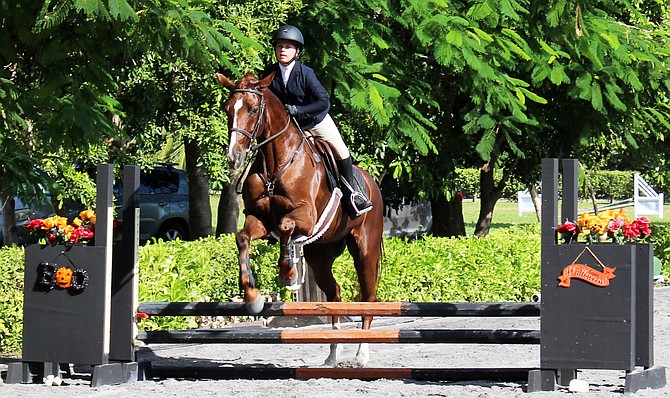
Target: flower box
[
  {"x": 65, "y": 325},
  {"x": 600, "y": 298}
]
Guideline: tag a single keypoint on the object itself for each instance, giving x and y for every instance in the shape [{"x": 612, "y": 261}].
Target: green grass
[{"x": 506, "y": 213}]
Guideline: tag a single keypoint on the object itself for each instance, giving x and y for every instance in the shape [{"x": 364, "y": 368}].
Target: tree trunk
[
  {"x": 9, "y": 221},
  {"x": 592, "y": 193},
  {"x": 229, "y": 210},
  {"x": 490, "y": 194},
  {"x": 537, "y": 203},
  {"x": 447, "y": 216},
  {"x": 200, "y": 212}
]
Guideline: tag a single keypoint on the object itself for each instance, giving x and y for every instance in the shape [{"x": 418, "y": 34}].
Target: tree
[
  {"x": 178, "y": 101},
  {"x": 520, "y": 80},
  {"x": 62, "y": 61}
]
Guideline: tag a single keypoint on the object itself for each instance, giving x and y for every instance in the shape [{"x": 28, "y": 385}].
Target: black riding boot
[{"x": 359, "y": 202}]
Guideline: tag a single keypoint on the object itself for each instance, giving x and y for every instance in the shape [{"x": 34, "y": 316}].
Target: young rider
[{"x": 306, "y": 100}]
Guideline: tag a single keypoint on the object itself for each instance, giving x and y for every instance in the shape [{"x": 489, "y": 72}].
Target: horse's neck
[{"x": 281, "y": 151}]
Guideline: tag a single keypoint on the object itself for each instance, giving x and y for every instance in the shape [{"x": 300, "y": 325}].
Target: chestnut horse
[{"x": 286, "y": 195}]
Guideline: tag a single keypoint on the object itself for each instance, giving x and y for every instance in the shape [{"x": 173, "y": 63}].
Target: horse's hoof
[
  {"x": 363, "y": 355},
  {"x": 292, "y": 282},
  {"x": 335, "y": 353},
  {"x": 255, "y": 307}
]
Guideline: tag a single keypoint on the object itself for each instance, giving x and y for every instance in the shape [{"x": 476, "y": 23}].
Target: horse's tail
[{"x": 380, "y": 261}]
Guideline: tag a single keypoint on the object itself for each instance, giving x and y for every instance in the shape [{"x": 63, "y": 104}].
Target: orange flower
[
  {"x": 61, "y": 222},
  {"x": 86, "y": 214},
  {"x": 48, "y": 223}
]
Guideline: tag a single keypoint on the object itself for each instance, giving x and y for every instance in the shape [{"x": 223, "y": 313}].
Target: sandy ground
[{"x": 601, "y": 383}]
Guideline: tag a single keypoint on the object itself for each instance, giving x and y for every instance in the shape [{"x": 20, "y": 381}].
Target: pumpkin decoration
[
  {"x": 64, "y": 277},
  {"x": 50, "y": 275}
]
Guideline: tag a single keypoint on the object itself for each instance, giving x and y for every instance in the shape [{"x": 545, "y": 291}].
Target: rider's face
[{"x": 286, "y": 51}]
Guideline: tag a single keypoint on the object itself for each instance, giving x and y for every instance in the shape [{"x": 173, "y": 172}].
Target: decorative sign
[
  {"x": 50, "y": 275},
  {"x": 586, "y": 273}
]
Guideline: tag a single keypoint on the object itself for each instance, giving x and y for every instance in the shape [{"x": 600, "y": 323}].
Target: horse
[{"x": 286, "y": 196}]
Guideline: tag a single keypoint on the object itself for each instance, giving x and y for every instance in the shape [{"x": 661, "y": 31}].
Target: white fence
[
  {"x": 526, "y": 202},
  {"x": 645, "y": 200}
]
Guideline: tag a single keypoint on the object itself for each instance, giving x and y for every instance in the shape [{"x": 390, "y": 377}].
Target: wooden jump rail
[
  {"x": 328, "y": 336},
  {"x": 323, "y": 336},
  {"x": 272, "y": 373},
  {"x": 343, "y": 309}
]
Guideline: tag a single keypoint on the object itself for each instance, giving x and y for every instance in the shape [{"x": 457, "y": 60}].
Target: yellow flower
[
  {"x": 68, "y": 230},
  {"x": 92, "y": 219},
  {"x": 77, "y": 222},
  {"x": 86, "y": 214},
  {"x": 49, "y": 223},
  {"x": 61, "y": 222},
  {"x": 586, "y": 220}
]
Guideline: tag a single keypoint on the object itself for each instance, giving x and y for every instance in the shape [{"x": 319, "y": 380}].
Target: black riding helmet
[{"x": 288, "y": 32}]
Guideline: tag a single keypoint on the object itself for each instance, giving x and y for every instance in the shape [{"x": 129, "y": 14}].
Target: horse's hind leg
[
  {"x": 320, "y": 259},
  {"x": 366, "y": 254}
]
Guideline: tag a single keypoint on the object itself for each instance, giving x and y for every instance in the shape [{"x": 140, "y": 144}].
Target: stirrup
[
  {"x": 364, "y": 202},
  {"x": 367, "y": 205}
]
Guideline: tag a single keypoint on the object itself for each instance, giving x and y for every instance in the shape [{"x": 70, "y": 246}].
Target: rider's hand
[{"x": 291, "y": 110}]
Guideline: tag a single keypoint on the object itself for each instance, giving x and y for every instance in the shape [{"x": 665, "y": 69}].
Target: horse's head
[{"x": 246, "y": 111}]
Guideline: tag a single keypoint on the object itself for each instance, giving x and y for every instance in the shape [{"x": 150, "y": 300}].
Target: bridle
[
  {"x": 269, "y": 185},
  {"x": 257, "y": 126},
  {"x": 251, "y": 135}
]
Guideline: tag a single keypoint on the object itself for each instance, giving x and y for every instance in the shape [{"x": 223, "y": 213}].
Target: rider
[{"x": 306, "y": 100}]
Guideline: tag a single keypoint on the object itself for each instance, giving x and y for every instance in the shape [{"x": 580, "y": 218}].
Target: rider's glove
[{"x": 291, "y": 110}]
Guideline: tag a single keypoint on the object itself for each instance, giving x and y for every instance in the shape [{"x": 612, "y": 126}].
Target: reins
[{"x": 254, "y": 149}]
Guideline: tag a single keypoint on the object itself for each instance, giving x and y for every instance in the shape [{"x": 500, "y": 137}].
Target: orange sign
[{"x": 587, "y": 274}]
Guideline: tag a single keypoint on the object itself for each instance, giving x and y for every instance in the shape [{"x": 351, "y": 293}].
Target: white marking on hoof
[
  {"x": 335, "y": 352},
  {"x": 363, "y": 354}
]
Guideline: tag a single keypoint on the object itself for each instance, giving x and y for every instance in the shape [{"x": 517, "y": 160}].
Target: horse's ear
[
  {"x": 267, "y": 80},
  {"x": 224, "y": 80}
]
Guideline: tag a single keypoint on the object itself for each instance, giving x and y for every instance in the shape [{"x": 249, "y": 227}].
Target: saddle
[{"x": 323, "y": 152}]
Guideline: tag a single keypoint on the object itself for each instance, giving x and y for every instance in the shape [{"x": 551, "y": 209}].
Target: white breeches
[{"x": 328, "y": 131}]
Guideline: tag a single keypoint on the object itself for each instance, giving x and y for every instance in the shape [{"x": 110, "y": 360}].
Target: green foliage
[
  {"x": 502, "y": 267},
  {"x": 467, "y": 180},
  {"x": 606, "y": 184},
  {"x": 660, "y": 237},
  {"x": 62, "y": 65},
  {"x": 514, "y": 80},
  {"x": 612, "y": 185},
  {"x": 202, "y": 270},
  {"x": 11, "y": 299}
]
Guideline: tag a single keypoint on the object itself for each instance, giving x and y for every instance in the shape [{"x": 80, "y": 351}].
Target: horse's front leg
[
  {"x": 363, "y": 353},
  {"x": 288, "y": 273},
  {"x": 253, "y": 229},
  {"x": 290, "y": 224},
  {"x": 335, "y": 349}
]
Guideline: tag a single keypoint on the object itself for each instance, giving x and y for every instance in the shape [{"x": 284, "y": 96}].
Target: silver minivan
[{"x": 164, "y": 203}]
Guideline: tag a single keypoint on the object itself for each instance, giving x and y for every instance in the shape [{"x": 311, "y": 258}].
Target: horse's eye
[{"x": 254, "y": 110}]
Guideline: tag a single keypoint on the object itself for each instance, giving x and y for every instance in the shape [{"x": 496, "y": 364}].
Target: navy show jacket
[{"x": 303, "y": 90}]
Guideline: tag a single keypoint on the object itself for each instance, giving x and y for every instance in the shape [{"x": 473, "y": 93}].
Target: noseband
[{"x": 253, "y": 134}]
